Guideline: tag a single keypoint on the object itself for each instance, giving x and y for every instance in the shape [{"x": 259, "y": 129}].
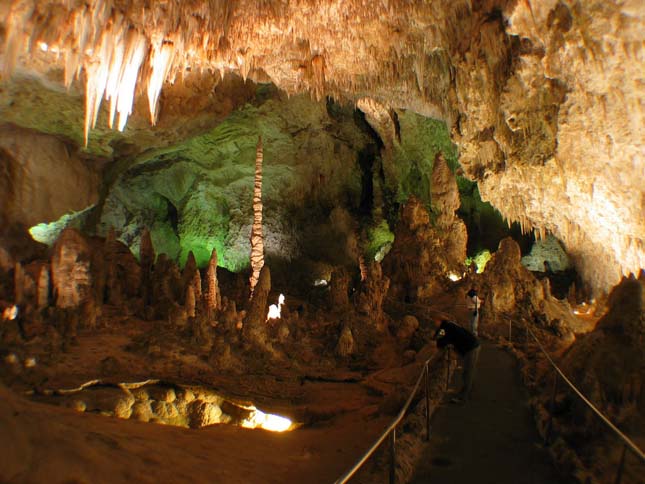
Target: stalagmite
[
  {"x": 212, "y": 294},
  {"x": 146, "y": 261},
  {"x": 70, "y": 269},
  {"x": 255, "y": 322},
  {"x": 257, "y": 241},
  {"x": 345, "y": 345},
  {"x": 339, "y": 290},
  {"x": 190, "y": 301},
  {"x": 362, "y": 267},
  {"x": 197, "y": 284},
  {"x": 18, "y": 283},
  {"x": 188, "y": 274},
  {"x": 42, "y": 298},
  {"x": 146, "y": 252}
]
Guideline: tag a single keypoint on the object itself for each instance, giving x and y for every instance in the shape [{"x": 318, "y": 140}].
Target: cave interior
[{"x": 242, "y": 220}]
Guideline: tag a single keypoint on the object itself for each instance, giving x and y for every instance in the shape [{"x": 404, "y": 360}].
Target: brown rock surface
[{"x": 532, "y": 92}]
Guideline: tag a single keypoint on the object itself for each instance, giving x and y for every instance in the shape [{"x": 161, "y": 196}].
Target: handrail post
[
  {"x": 427, "y": 403},
  {"x": 393, "y": 456},
  {"x": 549, "y": 426},
  {"x": 621, "y": 466}
]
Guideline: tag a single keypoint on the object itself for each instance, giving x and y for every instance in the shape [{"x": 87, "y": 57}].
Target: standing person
[
  {"x": 467, "y": 345},
  {"x": 473, "y": 303}
]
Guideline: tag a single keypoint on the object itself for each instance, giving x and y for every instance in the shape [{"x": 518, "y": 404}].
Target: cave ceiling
[{"x": 543, "y": 99}]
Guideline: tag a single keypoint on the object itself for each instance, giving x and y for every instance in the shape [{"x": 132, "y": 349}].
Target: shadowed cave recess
[{"x": 238, "y": 221}]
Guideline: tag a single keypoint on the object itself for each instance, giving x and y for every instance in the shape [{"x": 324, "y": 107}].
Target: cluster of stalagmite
[
  {"x": 88, "y": 273},
  {"x": 426, "y": 249}
]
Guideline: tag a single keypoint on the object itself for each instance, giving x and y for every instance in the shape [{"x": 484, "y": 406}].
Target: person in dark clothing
[{"x": 467, "y": 345}]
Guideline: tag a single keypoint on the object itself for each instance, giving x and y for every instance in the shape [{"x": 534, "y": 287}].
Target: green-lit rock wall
[{"x": 197, "y": 195}]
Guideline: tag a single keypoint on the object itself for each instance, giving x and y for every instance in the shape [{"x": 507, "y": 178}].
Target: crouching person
[{"x": 467, "y": 345}]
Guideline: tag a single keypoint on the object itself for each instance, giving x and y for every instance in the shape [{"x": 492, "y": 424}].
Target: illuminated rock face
[
  {"x": 40, "y": 180},
  {"x": 543, "y": 98}
]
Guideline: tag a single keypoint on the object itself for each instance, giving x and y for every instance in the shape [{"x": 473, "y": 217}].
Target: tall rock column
[
  {"x": 257, "y": 241},
  {"x": 212, "y": 296}
]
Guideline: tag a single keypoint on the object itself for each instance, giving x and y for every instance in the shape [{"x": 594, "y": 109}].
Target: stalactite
[
  {"x": 318, "y": 68},
  {"x": 257, "y": 240}
]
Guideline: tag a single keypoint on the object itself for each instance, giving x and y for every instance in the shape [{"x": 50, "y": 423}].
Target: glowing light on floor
[
  {"x": 276, "y": 311},
  {"x": 266, "y": 421}
]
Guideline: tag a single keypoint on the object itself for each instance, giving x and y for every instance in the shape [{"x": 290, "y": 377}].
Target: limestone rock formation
[
  {"x": 70, "y": 269},
  {"x": 371, "y": 295},
  {"x": 257, "y": 239},
  {"x": 254, "y": 330},
  {"x": 212, "y": 297},
  {"x": 28, "y": 158},
  {"x": 123, "y": 273},
  {"x": 345, "y": 346},
  {"x": 406, "y": 329},
  {"x": 507, "y": 286},
  {"x": 146, "y": 262},
  {"x": 445, "y": 202},
  {"x": 204, "y": 413},
  {"x": 188, "y": 274},
  {"x": 531, "y": 92},
  {"x": 190, "y": 301},
  {"x": 423, "y": 253},
  {"x": 42, "y": 299},
  {"x": 339, "y": 289},
  {"x": 166, "y": 288}
]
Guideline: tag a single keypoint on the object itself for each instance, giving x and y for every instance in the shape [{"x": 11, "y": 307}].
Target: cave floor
[
  {"x": 43, "y": 441},
  {"x": 492, "y": 437}
]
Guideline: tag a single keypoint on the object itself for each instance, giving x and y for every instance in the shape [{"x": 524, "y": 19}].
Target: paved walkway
[{"x": 492, "y": 438}]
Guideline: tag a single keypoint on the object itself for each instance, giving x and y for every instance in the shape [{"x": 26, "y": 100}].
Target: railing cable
[
  {"x": 627, "y": 441},
  {"x": 391, "y": 429}
]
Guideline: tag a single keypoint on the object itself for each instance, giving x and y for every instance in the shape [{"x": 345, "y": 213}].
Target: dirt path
[{"x": 492, "y": 438}]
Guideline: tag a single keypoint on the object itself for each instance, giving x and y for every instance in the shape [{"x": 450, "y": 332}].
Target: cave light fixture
[
  {"x": 10, "y": 313},
  {"x": 454, "y": 277},
  {"x": 266, "y": 421},
  {"x": 275, "y": 311}
]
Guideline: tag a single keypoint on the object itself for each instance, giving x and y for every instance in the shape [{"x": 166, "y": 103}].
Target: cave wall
[
  {"x": 543, "y": 98},
  {"x": 41, "y": 179},
  {"x": 558, "y": 144},
  {"x": 197, "y": 195}
]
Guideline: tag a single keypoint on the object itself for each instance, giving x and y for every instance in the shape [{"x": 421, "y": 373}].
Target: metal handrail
[
  {"x": 626, "y": 440},
  {"x": 391, "y": 429}
]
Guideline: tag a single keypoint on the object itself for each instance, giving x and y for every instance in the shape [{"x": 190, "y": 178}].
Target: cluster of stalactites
[{"x": 119, "y": 45}]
